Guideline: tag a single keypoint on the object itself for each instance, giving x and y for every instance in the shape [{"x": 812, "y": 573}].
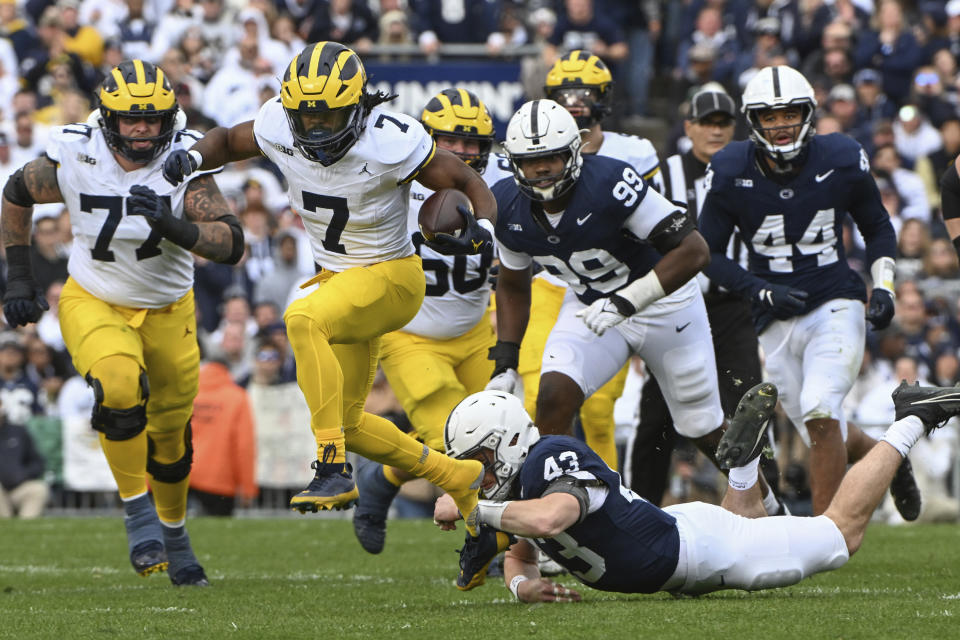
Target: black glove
[
  {"x": 880, "y": 309},
  {"x": 23, "y": 302},
  {"x": 178, "y": 165},
  {"x": 474, "y": 239},
  {"x": 781, "y": 300},
  {"x": 144, "y": 201}
]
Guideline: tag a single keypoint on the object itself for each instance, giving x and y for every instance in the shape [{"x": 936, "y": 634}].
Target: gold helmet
[
  {"x": 581, "y": 79},
  {"x": 136, "y": 88},
  {"x": 459, "y": 113},
  {"x": 323, "y": 94}
]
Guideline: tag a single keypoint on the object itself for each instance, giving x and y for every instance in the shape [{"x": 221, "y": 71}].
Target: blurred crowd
[{"x": 885, "y": 73}]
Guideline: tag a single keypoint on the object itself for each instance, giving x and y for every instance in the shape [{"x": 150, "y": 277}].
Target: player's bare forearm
[
  {"x": 544, "y": 517},
  {"x": 683, "y": 262},
  {"x": 221, "y": 145},
  {"x": 520, "y": 559},
  {"x": 40, "y": 179},
  {"x": 205, "y": 205},
  {"x": 513, "y": 304},
  {"x": 447, "y": 171}
]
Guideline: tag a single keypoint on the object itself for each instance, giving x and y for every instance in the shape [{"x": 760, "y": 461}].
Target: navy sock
[
  {"x": 179, "y": 552},
  {"x": 140, "y": 519}
]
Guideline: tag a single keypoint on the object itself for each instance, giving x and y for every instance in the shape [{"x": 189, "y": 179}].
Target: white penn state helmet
[
  {"x": 494, "y": 420},
  {"x": 544, "y": 128},
  {"x": 776, "y": 88}
]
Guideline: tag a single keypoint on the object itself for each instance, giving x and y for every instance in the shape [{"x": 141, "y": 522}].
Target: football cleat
[
  {"x": 933, "y": 405},
  {"x": 548, "y": 566},
  {"x": 149, "y": 557},
  {"x": 190, "y": 576},
  {"x": 332, "y": 486},
  {"x": 905, "y": 492},
  {"x": 741, "y": 442},
  {"x": 370, "y": 516},
  {"x": 477, "y": 554}
]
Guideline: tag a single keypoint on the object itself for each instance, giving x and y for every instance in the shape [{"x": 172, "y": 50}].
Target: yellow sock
[
  {"x": 321, "y": 381},
  {"x": 391, "y": 476},
  {"x": 128, "y": 462},
  {"x": 380, "y": 440}
]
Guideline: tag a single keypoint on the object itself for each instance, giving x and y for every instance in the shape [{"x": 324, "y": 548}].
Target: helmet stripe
[
  {"x": 315, "y": 59},
  {"x": 776, "y": 82},
  {"x": 534, "y": 123}
]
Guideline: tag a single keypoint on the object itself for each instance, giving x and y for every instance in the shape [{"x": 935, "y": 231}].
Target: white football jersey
[
  {"x": 355, "y": 210},
  {"x": 458, "y": 290},
  {"x": 640, "y": 153},
  {"x": 115, "y": 256}
]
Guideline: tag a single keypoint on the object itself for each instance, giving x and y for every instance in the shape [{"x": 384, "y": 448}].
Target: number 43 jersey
[
  {"x": 115, "y": 256},
  {"x": 355, "y": 210},
  {"x": 624, "y": 543},
  {"x": 599, "y": 243}
]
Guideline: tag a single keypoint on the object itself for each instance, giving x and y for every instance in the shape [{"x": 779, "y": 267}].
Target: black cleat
[
  {"x": 741, "y": 442},
  {"x": 332, "y": 486},
  {"x": 933, "y": 405},
  {"x": 370, "y": 516},
  {"x": 190, "y": 576},
  {"x": 905, "y": 493},
  {"x": 477, "y": 554},
  {"x": 149, "y": 557}
]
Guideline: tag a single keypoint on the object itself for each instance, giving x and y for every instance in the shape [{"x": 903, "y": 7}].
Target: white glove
[
  {"x": 509, "y": 381},
  {"x": 601, "y": 315}
]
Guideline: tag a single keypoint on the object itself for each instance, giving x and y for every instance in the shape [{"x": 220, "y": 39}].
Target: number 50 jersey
[
  {"x": 117, "y": 257},
  {"x": 355, "y": 210}
]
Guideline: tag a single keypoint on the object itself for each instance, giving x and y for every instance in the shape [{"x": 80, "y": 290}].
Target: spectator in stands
[
  {"x": 18, "y": 395},
  {"x": 346, "y": 21},
  {"x": 46, "y": 371},
  {"x": 48, "y": 263},
  {"x": 224, "y": 449},
  {"x": 23, "y": 492},
  {"x": 913, "y": 135},
  {"x": 909, "y": 184},
  {"x": 267, "y": 362},
  {"x": 928, "y": 95},
  {"x": 891, "y": 48},
  {"x": 182, "y": 15},
  {"x": 217, "y": 27},
  {"x": 201, "y": 58},
  {"x": 842, "y": 105},
  {"x": 709, "y": 31},
  {"x": 440, "y": 22},
  {"x": 7, "y": 165},
  {"x": 81, "y": 39},
  {"x": 941, "y": 272},
  {"x": 18, "y": 31},
  {"x": 945, "y": 155},
  {"x": 872, "y": 102},
  {"x": 232, "y": 94},
  {"x": 642, "y": 23},
  {"x": 136, "y": 31},
  {"x": 284, "y": 32},
  {"x": 766, "y": 45},
  {"x": 836, "y": 35},
  {"x": 913, "y": 241}
]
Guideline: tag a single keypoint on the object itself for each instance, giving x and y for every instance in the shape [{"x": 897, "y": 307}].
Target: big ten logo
[{"x": 502, "y": 98}]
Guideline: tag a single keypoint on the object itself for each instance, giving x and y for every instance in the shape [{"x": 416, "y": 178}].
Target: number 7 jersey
[
  {"x": 355, "y": 210},
  {"x": 115, "y": 256}
]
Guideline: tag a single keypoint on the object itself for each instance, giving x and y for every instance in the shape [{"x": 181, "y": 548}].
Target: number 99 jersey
[
  {"x": 117, "y": 257},
  {"x": 355, "y": 210}
]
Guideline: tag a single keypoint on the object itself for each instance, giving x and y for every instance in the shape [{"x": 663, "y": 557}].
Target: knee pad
[
  {"x": 118, "y": 424},
  {"x": 773, "y": 579},
  {"x": 171, "y": 472}
]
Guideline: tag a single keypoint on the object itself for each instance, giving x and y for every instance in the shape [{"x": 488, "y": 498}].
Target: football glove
[
  {"x": 178, "y": 165},
  {"x": 880, "y": 309},
  {"x": 508, "y": 381},
  {"x": 473, "y": 240},
  {"x": 605, "y": 313},
  {"x": 782, "y": 301},
  {"x": 23, "y": 301},
  {"x": 144, "y": 201}
]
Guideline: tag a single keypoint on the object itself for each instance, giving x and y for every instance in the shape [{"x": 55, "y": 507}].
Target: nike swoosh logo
[
  {"x": 679, "y": 329},
  {"x": 936, "y": 399},
  {"x": 820, "y": 177},
  {"x": 837, "y": 309},
  {"x": 580, "y": 221}
]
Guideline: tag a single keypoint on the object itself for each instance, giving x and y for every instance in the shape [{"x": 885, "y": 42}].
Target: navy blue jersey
[
  {"x": 793, "y": 230},
  {"x": 628, "y": 545},
  {"x": 589, "y": 249}
]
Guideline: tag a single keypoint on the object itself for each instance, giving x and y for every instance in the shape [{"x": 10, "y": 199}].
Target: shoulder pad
[
  {"x": 733, "y": 159},
  {"x": 839, "y": 150},
  {"x": 394, "y": 136}
]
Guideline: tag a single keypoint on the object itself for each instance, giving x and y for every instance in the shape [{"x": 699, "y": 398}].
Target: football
[{"x": 439, "y": 214}]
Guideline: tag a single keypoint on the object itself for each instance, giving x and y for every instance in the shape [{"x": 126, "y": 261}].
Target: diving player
[
  {"x": 787, "y": 191},
  {"x": 439, "y": 357},
  {"x": 127, "y": 310},
  {"x": 560, "y": 497},
  {"x": 349, "y": 163}
]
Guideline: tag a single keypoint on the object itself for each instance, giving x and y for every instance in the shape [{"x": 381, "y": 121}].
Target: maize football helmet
[
  {"x": 459, "y": 113},
  {"x": 497, "y": 421},
  {"x": 136, "y": 88},
  {"x": 777, "y": 88},
  {"x": 322, "y": 93},
  {"x": 581, "y": 79},
  {"x": 544, "y": 128}
]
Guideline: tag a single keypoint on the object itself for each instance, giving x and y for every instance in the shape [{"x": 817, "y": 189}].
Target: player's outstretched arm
[
  {"x": 522, "y": 577},
  {"x": 35, "y": 182},
  {"x": 215, "y": 149},
  {"x": 513, "y": 303}
]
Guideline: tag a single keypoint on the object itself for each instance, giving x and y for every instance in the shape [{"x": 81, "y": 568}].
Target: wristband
[
  {"x": 486, "y": 224},
  {"x": 490, "y": 512},
  {"x": 882, "y": 271},
  {"x": 193, "y": 153},
  {"x": 642, "y": 291},
  {"x": 505, "y": 355},
  {"x": 515, "y": 584}
]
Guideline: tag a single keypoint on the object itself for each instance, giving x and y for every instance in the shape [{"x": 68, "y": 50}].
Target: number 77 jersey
[
  {"x": 793, "y": 227},
  {"x": 355, "y": 210}
]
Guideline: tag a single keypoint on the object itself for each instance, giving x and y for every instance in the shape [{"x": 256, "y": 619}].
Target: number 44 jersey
[
  {"x": 117, "y": 257},
  {"x": 355, "y": 210}
]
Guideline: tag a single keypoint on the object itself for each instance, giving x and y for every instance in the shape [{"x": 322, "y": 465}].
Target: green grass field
[{"x": 307, "y": 577}]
